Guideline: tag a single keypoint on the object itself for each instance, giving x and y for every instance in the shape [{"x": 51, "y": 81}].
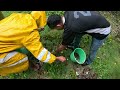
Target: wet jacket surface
[{"x": 18, "y": 30}]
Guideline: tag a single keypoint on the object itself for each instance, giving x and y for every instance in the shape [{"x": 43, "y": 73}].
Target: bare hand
[
  {"x": 61, "y": 58},
  {"x": 61, "y": 48}
]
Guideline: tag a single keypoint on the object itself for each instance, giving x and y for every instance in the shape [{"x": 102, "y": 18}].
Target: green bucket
[{"x": 80, "y": 56}]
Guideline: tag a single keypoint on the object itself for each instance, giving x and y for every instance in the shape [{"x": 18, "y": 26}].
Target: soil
[
  {"x": 76, "y": 56},
  {"x": 85, "y": 72},
  {"x": 35, "y": 66},
  {"x": 82, "y": 72}
]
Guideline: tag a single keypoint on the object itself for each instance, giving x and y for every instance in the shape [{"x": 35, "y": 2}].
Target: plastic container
[{"x": 81, "y": 56}]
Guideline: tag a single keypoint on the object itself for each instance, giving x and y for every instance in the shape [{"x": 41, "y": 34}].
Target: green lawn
[{"x": 106, "y": 64}]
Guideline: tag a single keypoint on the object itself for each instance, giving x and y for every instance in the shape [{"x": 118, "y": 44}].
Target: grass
[
  {"x": 106, "y": 64},
  {"x": 108, "y": 60}
]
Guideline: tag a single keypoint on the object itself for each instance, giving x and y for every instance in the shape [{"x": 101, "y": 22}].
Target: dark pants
[{"x": 95, "y": 45}]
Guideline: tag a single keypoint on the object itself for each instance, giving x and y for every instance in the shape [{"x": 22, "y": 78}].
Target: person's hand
[
  {"x": 61, "y": 58},
  {"x": 61, "y": 48}
]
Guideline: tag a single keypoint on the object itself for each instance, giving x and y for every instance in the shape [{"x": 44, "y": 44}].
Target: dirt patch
[
  {"x": 85, "y": 72},
  {"x": 81, "y": 72},
  {"x": 77, "y": 56}
]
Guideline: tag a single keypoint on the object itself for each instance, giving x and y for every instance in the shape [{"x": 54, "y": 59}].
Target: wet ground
[
  {"x": 86, "y": 73},
  {"x": 82, "y": 72}
]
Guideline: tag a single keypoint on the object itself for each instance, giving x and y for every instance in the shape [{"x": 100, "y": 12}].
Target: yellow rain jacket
[{"x": 17, "y": 31}]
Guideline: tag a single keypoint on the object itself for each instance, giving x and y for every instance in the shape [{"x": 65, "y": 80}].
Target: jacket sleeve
[
  {"x": 40, "y": 18},
  {"x": 33, "y": 44},
  {"x": 68, "y": 37}
]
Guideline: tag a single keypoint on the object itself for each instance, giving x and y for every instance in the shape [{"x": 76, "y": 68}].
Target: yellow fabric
[
  {"x": 44, "y": 57},
  {"x": 14, "y": 59},
  {"x": 6, "y": 69},
  {"x": 14, "y": 69},
  {"x": 40, "y": 18},
  {"x": 52, "y": 57},
  {"x": 13, "y": 29},
  {"x": 3, "y": 55},
  {"x": 33, "y": 44},
  {"x": 18, "y": 30}
]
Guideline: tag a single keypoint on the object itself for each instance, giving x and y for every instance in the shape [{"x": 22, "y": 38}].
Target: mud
[
  {"x": 85, "y": 73},
  {"x": 76, "y": 56}
]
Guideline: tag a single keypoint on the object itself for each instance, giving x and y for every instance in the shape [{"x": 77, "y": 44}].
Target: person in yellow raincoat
[{"x": 20, "y": 30}]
